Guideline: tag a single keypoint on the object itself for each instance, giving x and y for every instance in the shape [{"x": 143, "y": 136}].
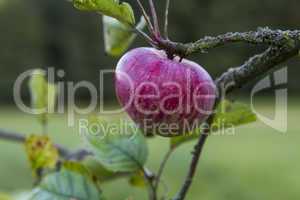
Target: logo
[{"x": 276, "y": 80}]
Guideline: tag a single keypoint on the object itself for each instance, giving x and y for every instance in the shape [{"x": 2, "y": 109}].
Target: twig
[
  {"x": 11, "y": 136},
  {"x": 193, "y": 166},
  {"x": 145, "y": 15},
  {"x": 155, "y": 19},
  {"x": 256, "y": 66},
  {"x": 263, "y": 36},
  {"x": 17, "y": 137},
  {"x": 166, "y": 19},
  {"x": 145, "y": 36},
  {"x": 149, "y": 176}
]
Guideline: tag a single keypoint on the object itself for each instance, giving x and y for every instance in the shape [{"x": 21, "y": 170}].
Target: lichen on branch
[{"x": 262, "y": 36}]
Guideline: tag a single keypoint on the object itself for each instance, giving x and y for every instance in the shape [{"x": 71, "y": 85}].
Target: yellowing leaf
[
  {"x": 121, "y": 11},
  {"x": 117, "y": 36},
  {"x": 41, "y": 152}
]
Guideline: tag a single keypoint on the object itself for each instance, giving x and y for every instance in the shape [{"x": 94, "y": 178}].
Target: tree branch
[
  {"x": 283, "y": 45},
  {"x": 256, "y": 66},
  {"x": 263, "y": 36},
  {"x": 19, "y": 138},
  {"x": 11, "y": 136},
  {"x": 193, "y": 165}
]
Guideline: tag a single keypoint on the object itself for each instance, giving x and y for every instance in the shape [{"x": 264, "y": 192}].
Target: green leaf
[
  {"x": 100, "y": 172},
  {"x": 179, "y": 140},
  {"x": 43, "y": 94},
  {"x": 41, "y": 153},
  {"x": 117, "y": 36},
  {"x": 231, "y": 114},
  {"x": 116, "y": 149},
  {"x": 121, "y": 11},
  {"x": 66, "y": 185},
  {"x": 228, "y": 115}
]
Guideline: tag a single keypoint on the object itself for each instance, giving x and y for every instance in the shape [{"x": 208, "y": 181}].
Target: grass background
[{"x": 256, "y": 163}]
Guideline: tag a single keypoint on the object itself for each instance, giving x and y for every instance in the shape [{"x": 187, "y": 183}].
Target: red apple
[{"x": 163, "y": 96}]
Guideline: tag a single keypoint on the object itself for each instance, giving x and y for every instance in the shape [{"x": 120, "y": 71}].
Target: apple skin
[{"x": 163, "y": 96}]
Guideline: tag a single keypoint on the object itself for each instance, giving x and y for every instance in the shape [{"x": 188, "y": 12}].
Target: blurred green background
[{"x": 256, "y": 163}]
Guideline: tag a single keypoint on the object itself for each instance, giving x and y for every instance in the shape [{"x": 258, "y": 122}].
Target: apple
[{"x": 163, "y": 96}]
